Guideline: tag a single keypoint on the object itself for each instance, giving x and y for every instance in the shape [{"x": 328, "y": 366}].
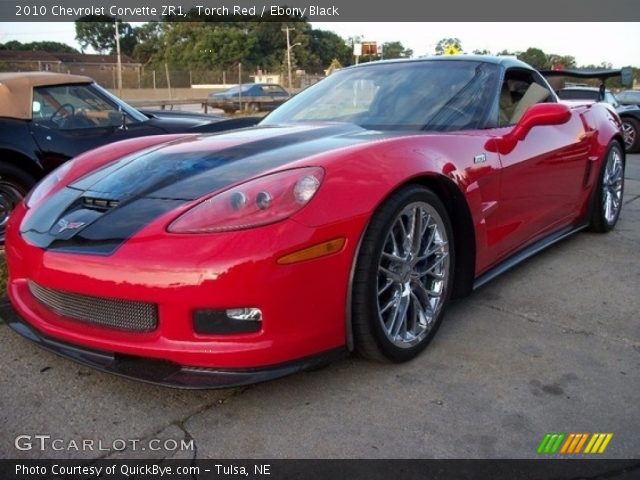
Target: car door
[
  {"x": 543, "y": 175},
  {"x": 70, "y": 119}
]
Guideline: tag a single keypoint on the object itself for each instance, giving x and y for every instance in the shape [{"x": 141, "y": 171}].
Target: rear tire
[
  {"x": 609, "y": 191},
  {"x": 14, "y": 185},
  {"x": 403, "y": 276}
]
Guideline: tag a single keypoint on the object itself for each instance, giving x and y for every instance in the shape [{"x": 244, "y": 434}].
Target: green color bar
[
  {"x": 558, "y": 442},
  {"x": 544, "y": 443},
  {"x": 550, "y": 443}
]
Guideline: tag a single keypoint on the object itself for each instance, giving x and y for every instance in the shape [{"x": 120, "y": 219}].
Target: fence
[{"x": 135, "y": 75}]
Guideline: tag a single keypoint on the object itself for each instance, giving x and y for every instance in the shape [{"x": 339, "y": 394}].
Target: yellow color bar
[
  {"x": 316, "y": 251},
  {"x": 596, "y": 445},
  {"x": 607, "y": 439},
  {"x": 594, "y": 437}
]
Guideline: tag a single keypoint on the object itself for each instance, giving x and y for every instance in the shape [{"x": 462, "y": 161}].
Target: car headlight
[
  {"x": 257, "y": 202},
  {"x": 47, "y": 184}
]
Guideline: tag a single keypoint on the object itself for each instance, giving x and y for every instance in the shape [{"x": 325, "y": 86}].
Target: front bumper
[
  {"x": 162, "y": 372},
  {"x": 303, "y": 304}
]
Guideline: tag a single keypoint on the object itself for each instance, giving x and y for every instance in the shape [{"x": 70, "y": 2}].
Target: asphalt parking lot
[{"x": 551, "y": 346}]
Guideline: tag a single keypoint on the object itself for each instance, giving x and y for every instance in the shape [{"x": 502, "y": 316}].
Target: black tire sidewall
[
  {"x": 371, "y": 250},
  {"x": 17, "y": 178}
]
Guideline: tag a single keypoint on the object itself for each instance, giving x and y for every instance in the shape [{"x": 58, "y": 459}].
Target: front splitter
[{"x": 161, "y": 372}]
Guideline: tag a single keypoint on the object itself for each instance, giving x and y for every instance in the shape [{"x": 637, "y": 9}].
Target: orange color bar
[
  {"x": 567, "y": 442},
  {"x": 576, "y": 439}
]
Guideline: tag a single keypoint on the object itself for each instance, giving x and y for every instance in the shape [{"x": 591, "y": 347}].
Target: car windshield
[
  {"x": 76, "y": 106},
  {"x": 134, "y": 114},
  {"x": 578, "y": 94},
  {"x": 436, "y": 95}
]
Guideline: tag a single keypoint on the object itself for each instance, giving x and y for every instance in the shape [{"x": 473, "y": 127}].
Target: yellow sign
[{"x": 451, "y": 49}]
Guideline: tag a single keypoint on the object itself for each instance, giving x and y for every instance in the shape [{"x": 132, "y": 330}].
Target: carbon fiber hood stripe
[{"x": 151, "y": 183}]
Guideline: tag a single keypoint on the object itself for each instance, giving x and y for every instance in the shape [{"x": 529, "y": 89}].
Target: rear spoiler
[{"x": 625, "y": 74}]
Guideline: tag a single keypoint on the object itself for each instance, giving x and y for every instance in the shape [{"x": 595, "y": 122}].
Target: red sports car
[{"x": 346, "y": 220}]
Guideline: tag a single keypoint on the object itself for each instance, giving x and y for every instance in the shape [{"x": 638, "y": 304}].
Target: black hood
[
  {"x": 179, "y": 122},
  {"x": 100, "y": 211}
]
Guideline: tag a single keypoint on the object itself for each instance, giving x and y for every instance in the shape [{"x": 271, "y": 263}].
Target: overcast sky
[{"x": 589, "y": 43}]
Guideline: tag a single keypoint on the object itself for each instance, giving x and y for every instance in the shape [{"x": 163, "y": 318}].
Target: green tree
[
  {"x": 44, "y": 46},
  {"x": 324, "y": 47},
  {"x": 566, "y": 61},
  {"x": 148, "y": 47},
  {"x": 395, "y": 50},
  {"x": 534, "y": 57},
  {"x": 205, "y": 45},
  {"x": 98, "y": 32}
]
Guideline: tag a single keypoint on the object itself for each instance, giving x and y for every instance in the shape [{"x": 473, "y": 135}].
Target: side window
[
  {"x": 520, "y": 89},
  {"x": 71, "y": 107},
  {"x": 273, "y": 90}
]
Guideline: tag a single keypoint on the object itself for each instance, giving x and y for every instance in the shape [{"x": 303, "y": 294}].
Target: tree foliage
[
  {"x": 396, "y": 50},
  {"x": 534, "y": 57},
  {"x": 45, "y": 46},
  {"x": 99, "y": 33},
  {"x": 217, "y": 42}
]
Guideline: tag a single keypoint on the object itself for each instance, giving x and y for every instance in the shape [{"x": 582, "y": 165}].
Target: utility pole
[
  {"x": 119, "y": 60},
  {"x": 289, "y": 46}
]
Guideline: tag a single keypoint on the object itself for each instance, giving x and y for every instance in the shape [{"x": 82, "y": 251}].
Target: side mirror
[{"x": 535, "y": 116}]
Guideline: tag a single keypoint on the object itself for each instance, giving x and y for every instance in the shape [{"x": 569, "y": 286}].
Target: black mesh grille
[{"x": 107, "y": 312}]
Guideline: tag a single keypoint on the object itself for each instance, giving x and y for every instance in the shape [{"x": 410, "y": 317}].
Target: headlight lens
[
  {"x": 258, "y": 202},
  {"x": 47, "y": 184}
]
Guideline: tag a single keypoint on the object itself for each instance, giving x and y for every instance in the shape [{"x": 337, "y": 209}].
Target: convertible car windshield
[{"x": 431, "y": 95}]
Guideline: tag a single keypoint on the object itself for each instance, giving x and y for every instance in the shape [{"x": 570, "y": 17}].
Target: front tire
[
  {"x": 609, "y": 192},
  {"x": 14, "y": 185},
  {"x": 631, "y": 131},
  {"x": 403, "y": 276}
]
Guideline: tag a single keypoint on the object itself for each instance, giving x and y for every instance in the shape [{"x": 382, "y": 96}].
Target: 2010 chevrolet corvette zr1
[{"x": 348, "y": 219}]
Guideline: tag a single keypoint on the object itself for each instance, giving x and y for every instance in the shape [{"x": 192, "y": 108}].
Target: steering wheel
[{"x": 60, "y": 110}]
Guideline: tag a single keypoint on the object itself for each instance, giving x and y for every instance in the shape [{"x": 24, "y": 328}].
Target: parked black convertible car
[{"x": 47, "y": 118}]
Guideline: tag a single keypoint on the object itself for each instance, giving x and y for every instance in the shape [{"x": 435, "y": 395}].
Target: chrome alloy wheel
[
  {"x": 629, "y": 133},
  {"x": 413, "y": 271},
  {"x": 612, "y": 186}
]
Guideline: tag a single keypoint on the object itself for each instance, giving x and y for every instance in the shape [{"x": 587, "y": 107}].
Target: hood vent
[{"x": 99, "y": 203}]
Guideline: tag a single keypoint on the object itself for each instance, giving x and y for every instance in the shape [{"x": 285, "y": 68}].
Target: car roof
[
  {"x": 506, "y": 61},
  {"x": 16, "y": 90}
]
